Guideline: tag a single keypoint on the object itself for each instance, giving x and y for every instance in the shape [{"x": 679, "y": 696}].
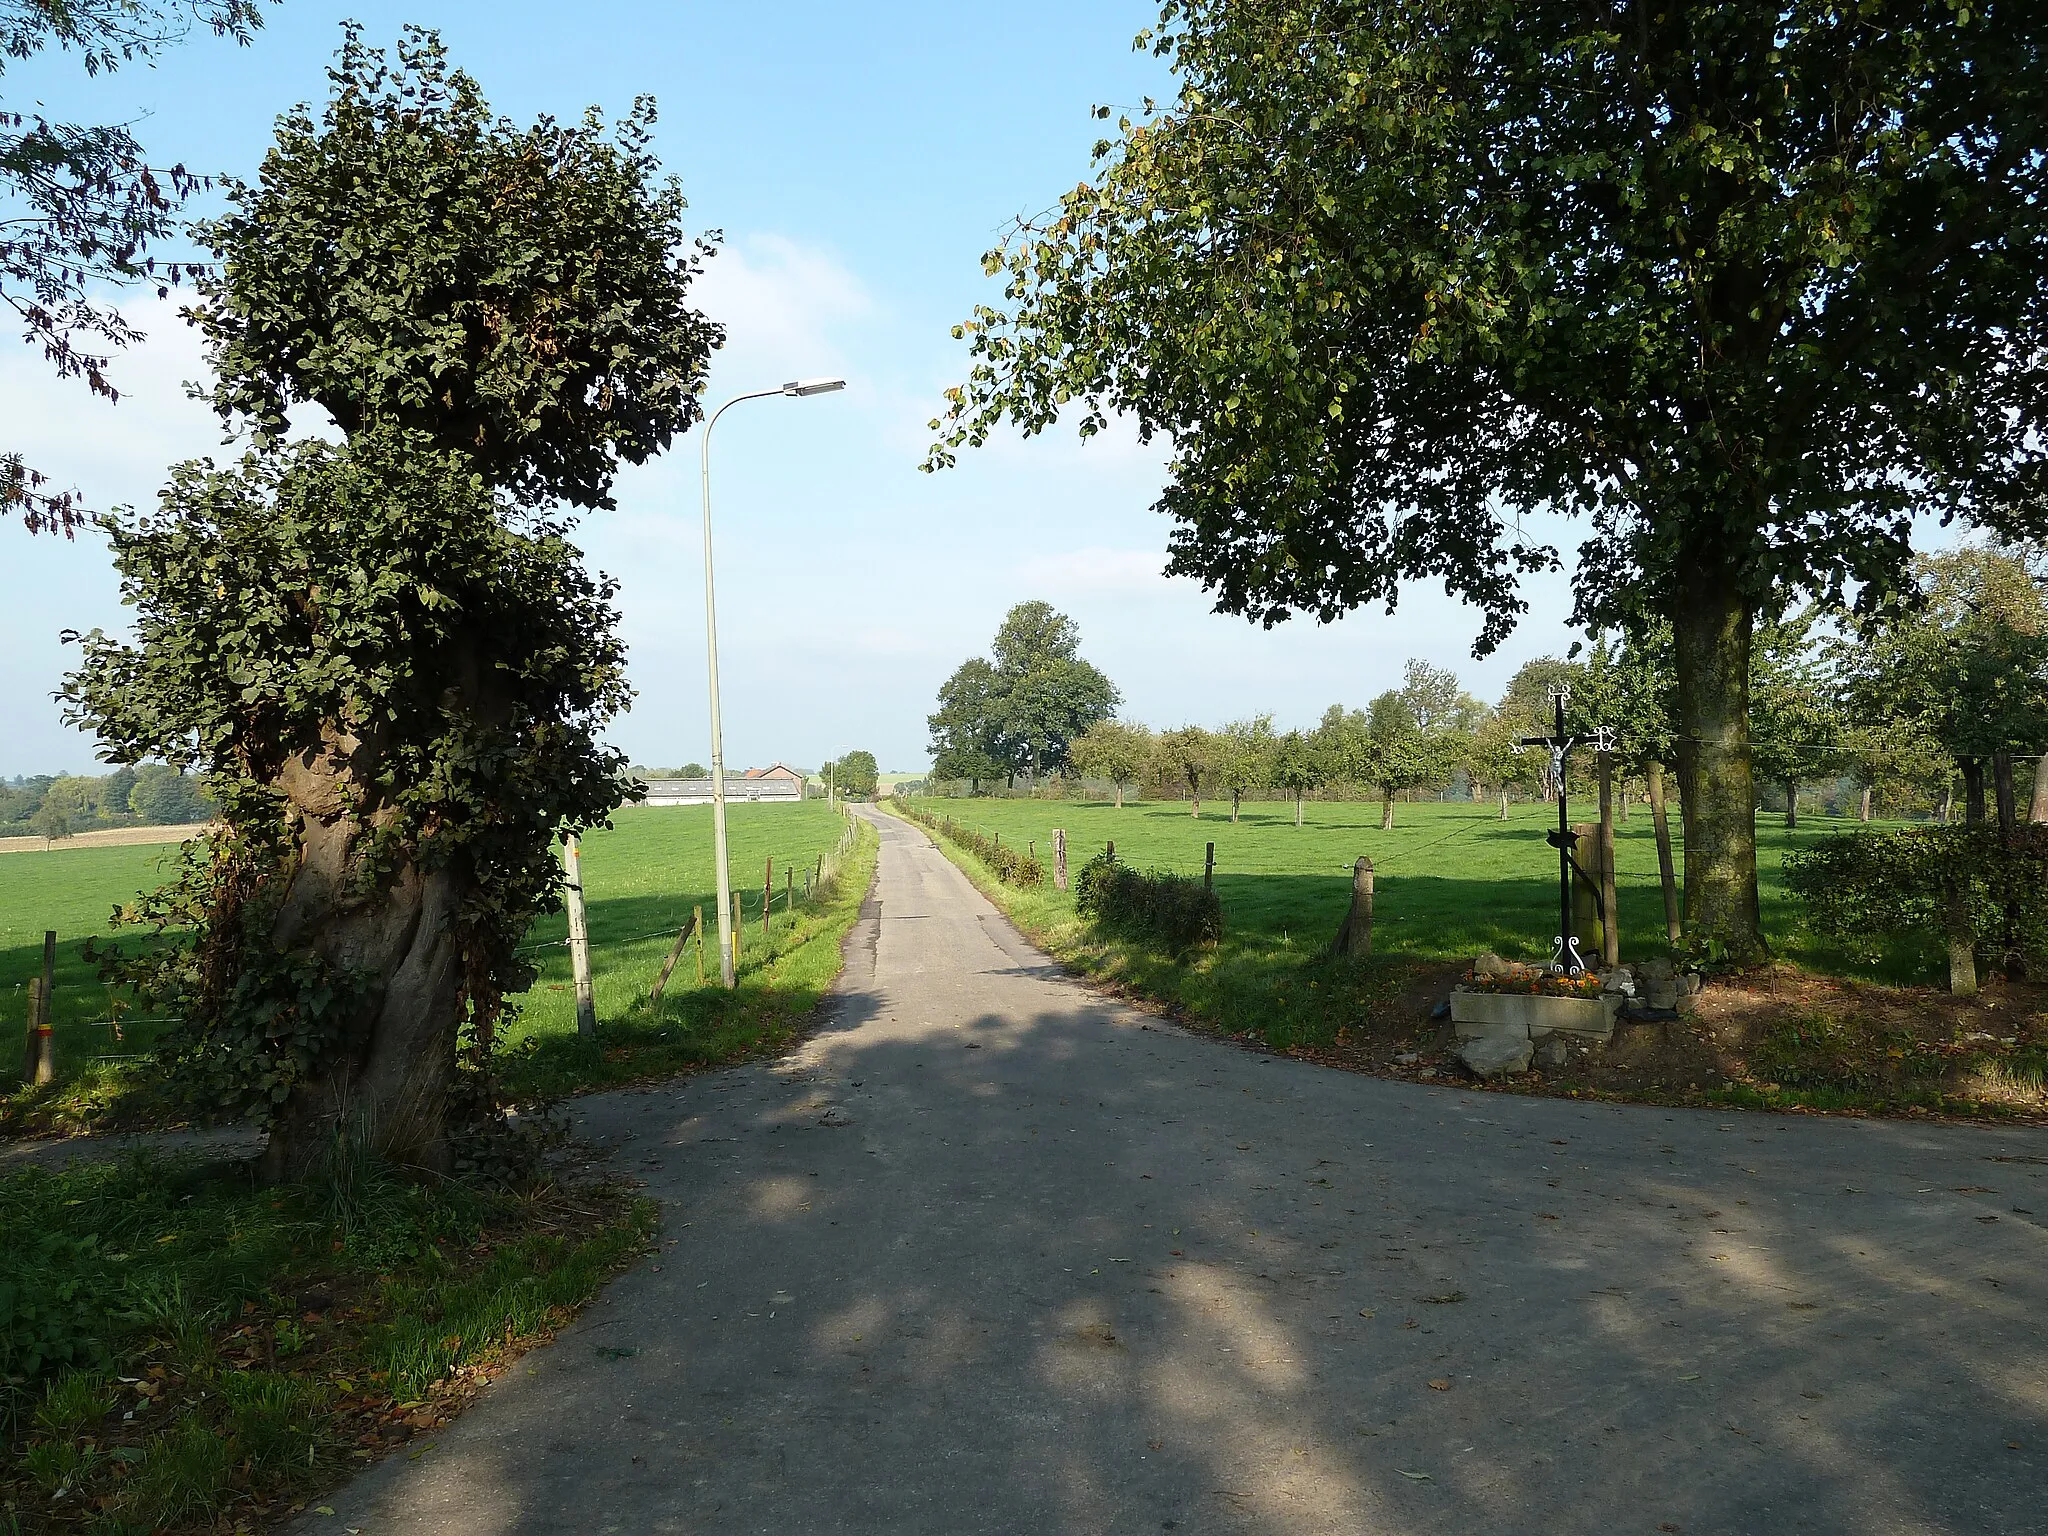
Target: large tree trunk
[
  {"x": 1863, "y": 806},
  {"x": 1715, "y": 630},
  {"x": 1386, "y": 811},
  {"x": 1973, "y": 791},
  {"x": 387, "y": 1082},
  {"x": 1119, "y": 794},
  {"x": 1503, "y": 804},
  {"x": 2039, "y": 811},
  {"x": 1791, "y": 804},
  {"x": 1235, "y": 796},
  {"x": 1298, "y": 797}
]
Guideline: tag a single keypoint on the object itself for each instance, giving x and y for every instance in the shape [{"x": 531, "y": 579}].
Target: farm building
[{"x": 776, "y": 784}]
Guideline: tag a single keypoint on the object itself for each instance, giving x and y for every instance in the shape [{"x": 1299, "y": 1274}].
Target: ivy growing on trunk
[{"x": 384, "y": 653}]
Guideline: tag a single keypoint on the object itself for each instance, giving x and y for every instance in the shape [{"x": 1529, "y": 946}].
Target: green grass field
[
  {"x": 1451, "y": 880},
  {"x": 645, "y": 875}
]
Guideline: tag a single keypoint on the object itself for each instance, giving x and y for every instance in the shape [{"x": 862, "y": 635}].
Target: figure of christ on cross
[{"x": 1565, "y": 957}]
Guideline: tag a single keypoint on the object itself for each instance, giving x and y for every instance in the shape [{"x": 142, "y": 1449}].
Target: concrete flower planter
[{"x": 1486, "y": 1013}]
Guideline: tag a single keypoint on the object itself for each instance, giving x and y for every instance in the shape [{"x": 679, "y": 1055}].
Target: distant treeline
[{"x": 59, "y": 805}]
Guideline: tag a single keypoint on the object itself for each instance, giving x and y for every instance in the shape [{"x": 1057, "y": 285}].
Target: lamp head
[{"x": 801, "y": 387}]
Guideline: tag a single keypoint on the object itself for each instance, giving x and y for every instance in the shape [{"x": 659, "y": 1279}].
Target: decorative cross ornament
[{"x": 1565, "y": 958}]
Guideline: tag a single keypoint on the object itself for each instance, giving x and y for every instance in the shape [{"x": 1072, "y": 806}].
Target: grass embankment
[
  {"x": 644, "y": 878},
  {"x": 180, "y": 1350},
  {"x": 1454, "y": 880}
]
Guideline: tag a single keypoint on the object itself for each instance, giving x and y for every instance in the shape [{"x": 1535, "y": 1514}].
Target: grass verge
[
  {"x": 784, "y": 973},
  {"x": 182, "y": 1350}
]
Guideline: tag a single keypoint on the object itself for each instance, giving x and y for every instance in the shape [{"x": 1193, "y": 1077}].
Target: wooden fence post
[
  {"x": 1666, "y": 872},
  {"x": 1059, "y": 858},
  {"x": 767, "y": 904},
  {"x": 1586, "y": 896},
  {"x": 1111, "y": 855},
  {"x": 30, "y": 1046},
  {"x": 675, "y": 953},
  {"x": 579, "y": 939},
  {"x": 1354, "y": 937},
  {"x": 1209, "y": 869}
]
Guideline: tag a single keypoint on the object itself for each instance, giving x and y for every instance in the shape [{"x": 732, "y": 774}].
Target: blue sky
[{"x": 859, "y": 160}]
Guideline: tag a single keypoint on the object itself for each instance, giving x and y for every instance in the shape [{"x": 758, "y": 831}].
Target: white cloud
[{"x": 784, "y": 307}]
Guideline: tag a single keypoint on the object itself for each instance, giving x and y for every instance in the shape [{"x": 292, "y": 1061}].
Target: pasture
[
  {"x": 644, "y": 878},
  {"x": 1452, "y": 879}
]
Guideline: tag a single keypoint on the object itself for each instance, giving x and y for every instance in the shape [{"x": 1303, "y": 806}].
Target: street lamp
[{"x": 795, "y": 389}]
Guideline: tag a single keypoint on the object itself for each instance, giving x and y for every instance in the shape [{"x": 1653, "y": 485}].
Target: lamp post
[{"x": 795, "y": 389}]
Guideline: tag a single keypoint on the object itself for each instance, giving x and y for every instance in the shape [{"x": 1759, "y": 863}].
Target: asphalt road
[{"x": 991, "y": 1253}]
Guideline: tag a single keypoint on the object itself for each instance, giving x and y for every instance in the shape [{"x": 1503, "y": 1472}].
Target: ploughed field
[{"x": 647, "y": 874}]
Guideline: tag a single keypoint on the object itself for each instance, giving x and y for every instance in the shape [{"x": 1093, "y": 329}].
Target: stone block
[{"x": 1475, "y": 1013}]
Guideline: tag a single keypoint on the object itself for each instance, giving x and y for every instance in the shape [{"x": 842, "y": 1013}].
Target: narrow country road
[{"x": 992, "y": 1253}]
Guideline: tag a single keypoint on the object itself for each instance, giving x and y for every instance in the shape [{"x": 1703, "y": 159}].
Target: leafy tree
[
  {"x": 1794, "y": 709},
  {"x": 1747, "y": 285},
  {"x": 1115, "y": 750},
  {"x": 693, "y": 771},
  {"x": 85, "y": 204},
  {"x": 164, "y": 797},
  {"x": 967, "y": 728},
  {"x": 402, "y": 703},
  {"x": 1185, "y": 754},
  {"x": 1024, "y": 708},
  {"x": 1436, "y": 700},
  {"x": 969, "y": 763},
  {"x": 1300, "y": 766},
  {"x": 120, "y": 786},
  {"x": 1964, "y": 659},
  {"x": 854, "y": 775},
  {"x": 1240, "y": 755},
  {"x": 1498, "y": 759},
  {"x": 1048, "y": 705},
  {"x": 1393, "y": 751},
  {"x": 50, "y": 821}
]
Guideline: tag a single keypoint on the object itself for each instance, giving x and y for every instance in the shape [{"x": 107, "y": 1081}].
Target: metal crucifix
[{"x": 1565, "y": 958}]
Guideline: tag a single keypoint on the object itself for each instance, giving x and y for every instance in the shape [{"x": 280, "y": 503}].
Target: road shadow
[{"x": 1065, "y": 1271}]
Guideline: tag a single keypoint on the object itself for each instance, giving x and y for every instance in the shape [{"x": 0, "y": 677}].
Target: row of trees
[
  {"x": 58, "y": 805},
  {"x": 1946, "y": 687}
]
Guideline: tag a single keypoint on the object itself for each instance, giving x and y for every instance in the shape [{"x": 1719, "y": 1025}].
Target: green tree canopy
[
  {"x": 855, "y": 775},
  {"x": 1963, "y": 659},
  {"x": 1241, "y": 755},
  {"x": 1115, "y": 750},
  {"x": 1024, "y": 708},
  {"x": 1744, "y": 284},
  {"x": 1301, "y": 766},
  {"x": 84, "y": 206},
  {"x": 386, "y": 656}
]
